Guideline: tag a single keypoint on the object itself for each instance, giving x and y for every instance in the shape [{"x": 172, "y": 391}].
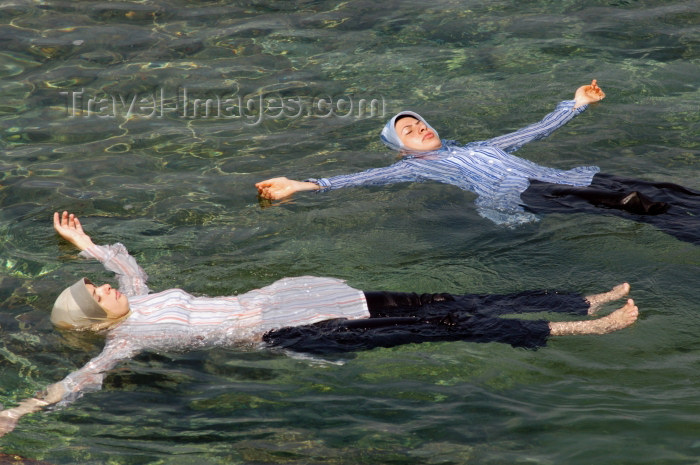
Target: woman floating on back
[
  {"x": 511, "y": 190},
  {"x": 307, "y": 314}
]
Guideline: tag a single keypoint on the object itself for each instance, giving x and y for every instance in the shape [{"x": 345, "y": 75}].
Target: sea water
[{"x": 153, "y": 120}]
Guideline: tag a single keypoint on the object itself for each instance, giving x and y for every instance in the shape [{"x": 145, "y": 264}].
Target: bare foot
[
  {"x": 619, "y": 319},
  {"x": 597, "y": 300}
]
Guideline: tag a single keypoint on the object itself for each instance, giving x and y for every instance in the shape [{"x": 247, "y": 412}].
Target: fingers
[
  {"x": 267, "y": 182},
  {"x": 272, "y": 188},
  {"x": 597, "y": 91},
  {"x": 265, "y": 191},
  {"x": 591, "y": 92},
  {"x": 264, "y": 188},
  {"x": 68, "y": 226},
  {"x": 76, "y": 224},
  {"x": 270, "y": 193},
  {"x": 66, "y": 221},
  {"x": 60, "y": 220},
  {"x": 271, "y": 182}
]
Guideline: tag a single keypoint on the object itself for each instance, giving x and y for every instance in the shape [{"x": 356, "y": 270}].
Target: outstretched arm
[
  {"x": 401, "y": 171},
  {"x": 279, "y": 188},
  {"x": 67, "y": 226},
  {"x": 10, "y": 417},
  {"x": 562, "y": 114},
  {"x": 87, "y": 379}
]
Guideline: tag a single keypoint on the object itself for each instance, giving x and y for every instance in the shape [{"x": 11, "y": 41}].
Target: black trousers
[
  {"x": 671, "y": 208},
  {"x": 404, "y": 318}
]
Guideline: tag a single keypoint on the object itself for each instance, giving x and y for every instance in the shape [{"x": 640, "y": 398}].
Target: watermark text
[{"x": 251, "y": 110}]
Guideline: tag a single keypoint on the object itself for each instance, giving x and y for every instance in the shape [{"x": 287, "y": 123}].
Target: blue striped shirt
[{"x": 486, "y": 168}]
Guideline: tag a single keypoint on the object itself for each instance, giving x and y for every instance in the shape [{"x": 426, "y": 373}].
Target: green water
[{"x": 177, "y": 188}]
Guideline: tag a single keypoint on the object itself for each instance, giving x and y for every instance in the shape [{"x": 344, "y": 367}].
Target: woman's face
[
  {"x": 415, "y": 135},
  {"x": 113, "y": 302}
]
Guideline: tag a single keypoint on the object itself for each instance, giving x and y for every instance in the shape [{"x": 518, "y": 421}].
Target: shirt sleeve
[
  {"x": 562, "y": 114},
  {"x": 132, "y": 279},
  {"x": 398, "y": 172},
  {"x": 91, "y": 376}
]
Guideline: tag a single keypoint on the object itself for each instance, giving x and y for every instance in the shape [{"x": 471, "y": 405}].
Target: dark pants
[
  {"x": 405, "y": 318},
  {"x": 671, "y": 208}
]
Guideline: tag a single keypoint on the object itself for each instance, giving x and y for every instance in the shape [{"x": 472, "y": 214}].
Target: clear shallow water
[{"x": 177, "y": 190}]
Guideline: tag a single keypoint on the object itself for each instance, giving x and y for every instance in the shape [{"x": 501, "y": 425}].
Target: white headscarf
[
  {"x": 391, "y": 138},
  {"x": 75, "y": 307}
]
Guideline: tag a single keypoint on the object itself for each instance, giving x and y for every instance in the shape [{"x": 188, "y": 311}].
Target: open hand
[
  {"x": 69, "y": 227},
  {"x": 588, "y": 94}
]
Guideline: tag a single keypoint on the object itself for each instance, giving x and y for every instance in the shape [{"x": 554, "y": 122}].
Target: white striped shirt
[
  {"x": 174, "y": 320},
  {"x": 485, "y": 167}
]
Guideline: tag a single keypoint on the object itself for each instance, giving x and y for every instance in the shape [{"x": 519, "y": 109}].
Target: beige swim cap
[{"x": 76, "y": 308}]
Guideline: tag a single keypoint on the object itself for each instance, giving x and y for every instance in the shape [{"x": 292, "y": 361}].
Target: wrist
[
  {"x": 36, "y": 403},
  {"x": 84, "y": 244},
  {"x": 306, "y": 186}
]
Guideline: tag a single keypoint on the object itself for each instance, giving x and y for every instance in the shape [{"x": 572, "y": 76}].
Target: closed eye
[{"x": 95, "y": 296}]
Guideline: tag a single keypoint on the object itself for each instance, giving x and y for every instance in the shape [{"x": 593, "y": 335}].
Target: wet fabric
[
  {"x": 174, "y": 320},
  {"x": 401, "y": 318},
  {"x": 670, "y": 207}
]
